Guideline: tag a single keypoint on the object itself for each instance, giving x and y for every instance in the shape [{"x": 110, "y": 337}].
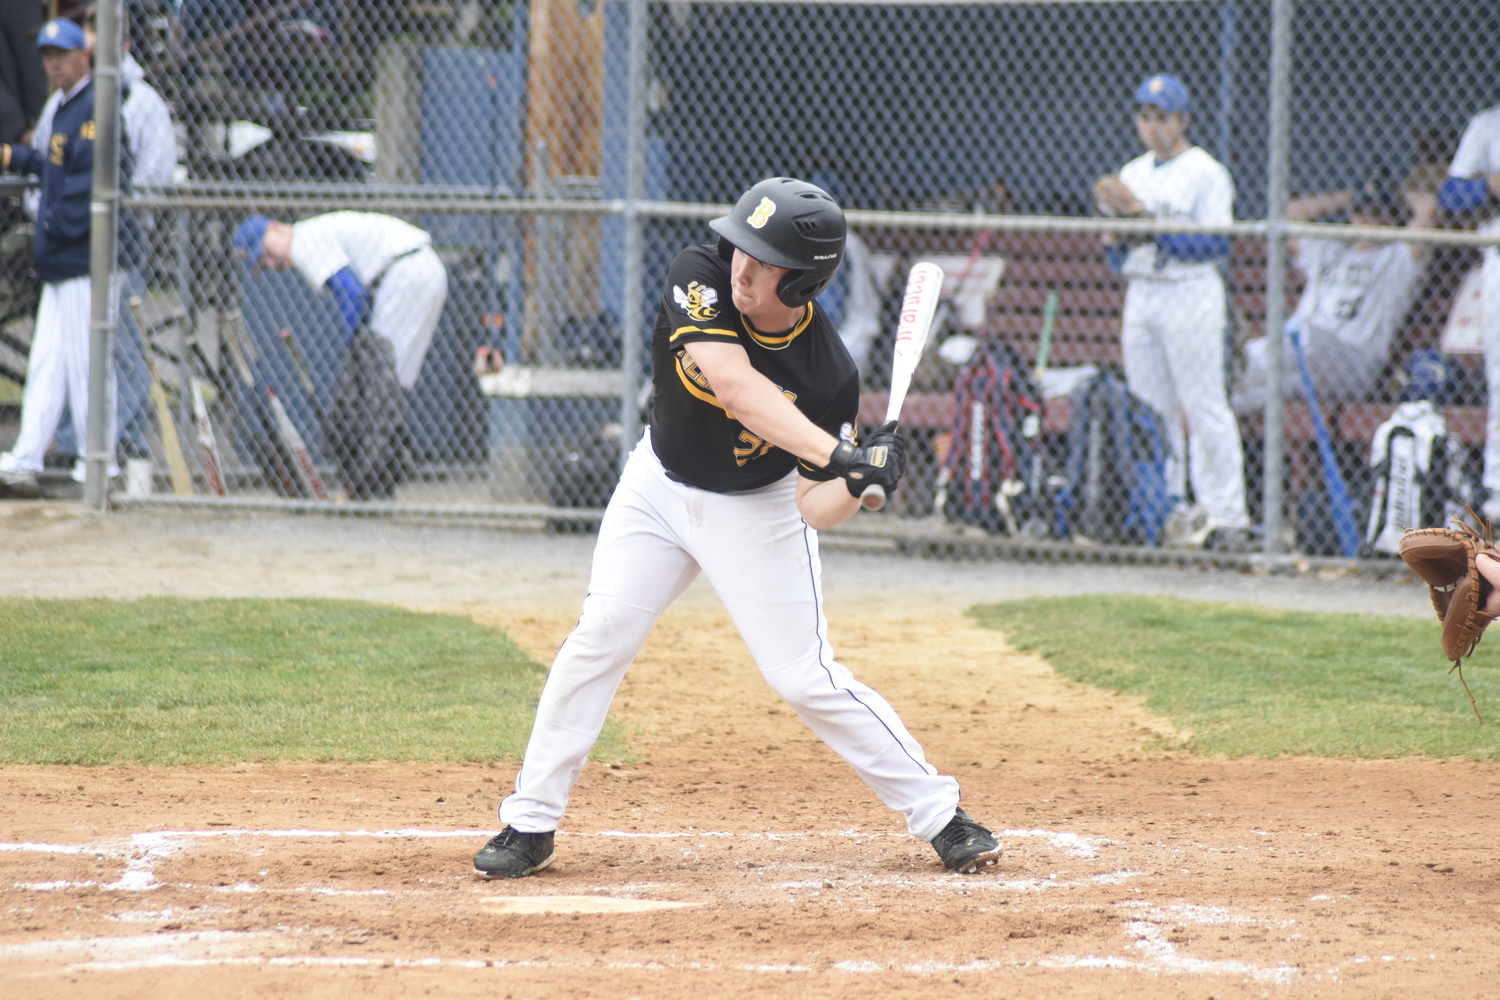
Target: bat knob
[{"x": 873, "y": 498}]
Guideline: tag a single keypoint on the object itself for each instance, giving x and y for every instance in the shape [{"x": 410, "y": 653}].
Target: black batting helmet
[{"x": 787, "y": 223}]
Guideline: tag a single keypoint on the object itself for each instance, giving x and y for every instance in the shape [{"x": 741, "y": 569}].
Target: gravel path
[{"x": 53, "y": 550}]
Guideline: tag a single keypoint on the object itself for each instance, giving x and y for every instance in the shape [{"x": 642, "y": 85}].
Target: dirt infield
[{"x": 735, "y": 855}]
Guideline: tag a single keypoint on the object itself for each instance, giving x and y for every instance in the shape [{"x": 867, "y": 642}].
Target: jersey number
[{"x": 753, "y": 447}]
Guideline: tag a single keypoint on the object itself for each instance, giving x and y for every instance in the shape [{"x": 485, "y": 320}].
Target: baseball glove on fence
[{"x": 1447, "y": 560}]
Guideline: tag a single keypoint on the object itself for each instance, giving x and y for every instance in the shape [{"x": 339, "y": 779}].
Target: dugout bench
[{"x": 1086, "y": 330}]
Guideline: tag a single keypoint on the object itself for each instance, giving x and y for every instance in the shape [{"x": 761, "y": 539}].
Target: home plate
[{"x": 576, "y": 904}]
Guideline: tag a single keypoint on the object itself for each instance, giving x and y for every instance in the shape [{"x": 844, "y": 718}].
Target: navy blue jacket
[{"x": 67, "y": 172}]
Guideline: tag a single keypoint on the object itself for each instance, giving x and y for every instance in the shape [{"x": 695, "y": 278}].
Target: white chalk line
[
  {"x": 225, "y": 948},
  {"x": 142, "y": 852}
]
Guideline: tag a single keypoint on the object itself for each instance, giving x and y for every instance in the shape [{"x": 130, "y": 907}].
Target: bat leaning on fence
[
  {"x": 304, "y": 375},
  {"x": 307, "y": 472},
  {"x": 171, "y": 442},
  {"x": 276, "y": 456},
  {"x": 923, "y": 287}
]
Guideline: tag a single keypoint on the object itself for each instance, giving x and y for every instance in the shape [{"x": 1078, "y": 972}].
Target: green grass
[
  {"x": 10, "y": 392},
  {"x": 172, "y": 681},
  {"x": 1254, "y": 681}
]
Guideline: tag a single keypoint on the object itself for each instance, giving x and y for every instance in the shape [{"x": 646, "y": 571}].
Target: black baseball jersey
[{"x": 697, "y": 439}]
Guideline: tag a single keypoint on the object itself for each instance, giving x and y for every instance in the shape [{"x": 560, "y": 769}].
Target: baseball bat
[
  {"x": 212, "y": 463},
  {"x": 1338, "y": 496},
  {"x": 228, "y": 408},
  {"x": 269, "y": 443},
  {"x": 213, "y": 477},
  {"x": 306, "y": 470},
  {"x": 303, "y": 375},
  {"x": 177, "y": 469},
  {"x": 923, "y": 286}
]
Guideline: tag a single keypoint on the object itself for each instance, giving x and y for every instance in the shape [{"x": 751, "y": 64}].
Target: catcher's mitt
[
  {"x": 1441, "y": 557},
  {"x": 1447, "y": 559}
]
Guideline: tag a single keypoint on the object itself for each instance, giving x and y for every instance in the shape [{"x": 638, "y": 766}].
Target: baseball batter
[
  {"x": 751, "y": 450},
  {"x": 351, "y": 253},
  {"x": 1473, "y": 186},
  {"x": 1174, "y": 320}
]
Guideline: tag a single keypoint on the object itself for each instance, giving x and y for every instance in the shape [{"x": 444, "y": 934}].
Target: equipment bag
[
  {"x": 1417, "y": 470},
  {"x": 994, "y": 476},
  {"x": 1115, "y": 484},
  {"x": 367, "y": 427}
]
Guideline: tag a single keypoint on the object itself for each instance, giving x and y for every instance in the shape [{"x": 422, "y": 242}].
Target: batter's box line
[
  {"x": 142, "y": 851},
  {"x": 194, "y": 950}
]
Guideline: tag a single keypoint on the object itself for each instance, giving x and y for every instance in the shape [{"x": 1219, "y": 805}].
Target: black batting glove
[{"x": 880, "y": 460}]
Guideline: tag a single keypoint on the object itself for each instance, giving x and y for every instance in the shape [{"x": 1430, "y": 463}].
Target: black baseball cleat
[
  {"x": 513, "y": 854},
  {"x": 965, "y": 846}
]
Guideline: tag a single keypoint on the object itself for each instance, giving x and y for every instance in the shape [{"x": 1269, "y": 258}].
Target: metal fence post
[
  {"x": 635, "y": 189},
  {"x": 1276, "y": 199},
  {"x": 103, "y": 236}
]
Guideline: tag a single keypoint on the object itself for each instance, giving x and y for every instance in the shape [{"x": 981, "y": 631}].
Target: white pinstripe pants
[
  {"x": 407, "y": 307},
  {"x": 762, "y": 560},
  {"x": 57, "y": 375}
]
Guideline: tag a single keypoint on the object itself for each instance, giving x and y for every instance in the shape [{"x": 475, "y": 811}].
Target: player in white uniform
[
  {"x": 348, "y": 253},
  {"x": 751, "y": 450},
  {"x": 1356, "y": 296},
  {"x": 1174, "y": 320},
  {"x": 1473, "y": 185}
]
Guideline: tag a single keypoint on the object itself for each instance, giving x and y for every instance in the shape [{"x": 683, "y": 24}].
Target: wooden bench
[{"x": 1086, "y": 329}]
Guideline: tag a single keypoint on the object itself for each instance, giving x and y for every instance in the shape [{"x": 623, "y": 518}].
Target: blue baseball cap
[
  {"x": 1166, "y": 92},
  {"x": 250, "y": 238},
  {"x": 60, "y": 33}
]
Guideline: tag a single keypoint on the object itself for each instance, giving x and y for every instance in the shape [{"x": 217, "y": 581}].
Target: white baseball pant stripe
[
  {"x": 408, "y": 304},
  {"x": 1489, "y": 310},
  {"x": 1173, "y": 347},
  {"x": 762, "y": 559},
  {"x": 57, "y": 375}
]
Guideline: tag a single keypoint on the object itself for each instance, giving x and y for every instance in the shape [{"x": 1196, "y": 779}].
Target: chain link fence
[{"x": 526, "y": 171}]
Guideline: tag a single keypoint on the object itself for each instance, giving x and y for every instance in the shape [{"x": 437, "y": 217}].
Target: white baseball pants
[
  {"x": 1173, "y": 346},
  {"x": 57, "y": 375},
  {"x": 1489, "y": 306},
  {"x": 762, "y": 559},
  {"x": 408, "y": 304}
]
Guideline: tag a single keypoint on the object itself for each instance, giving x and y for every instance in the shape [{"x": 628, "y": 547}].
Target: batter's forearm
[
  {"x": 825, "y": 505},
  {"x": 767, "y": 413}
]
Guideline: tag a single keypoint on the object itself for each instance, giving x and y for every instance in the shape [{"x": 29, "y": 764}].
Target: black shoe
[
  {"x": 513, "y": 854},
  {"x": 965, "y": 846}
]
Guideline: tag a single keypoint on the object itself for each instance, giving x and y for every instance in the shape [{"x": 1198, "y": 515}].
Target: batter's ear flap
[{"x": 726, "y": 249}]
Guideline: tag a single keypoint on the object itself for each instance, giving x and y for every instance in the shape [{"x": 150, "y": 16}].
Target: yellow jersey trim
[
  {"x": 711, "y": 331},
  {"x": 780, "y": 341},
  {"x": 698, "y": 393}
]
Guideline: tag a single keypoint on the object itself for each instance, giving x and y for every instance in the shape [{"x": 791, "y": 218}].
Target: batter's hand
[{"x": 881, "y": 460}]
